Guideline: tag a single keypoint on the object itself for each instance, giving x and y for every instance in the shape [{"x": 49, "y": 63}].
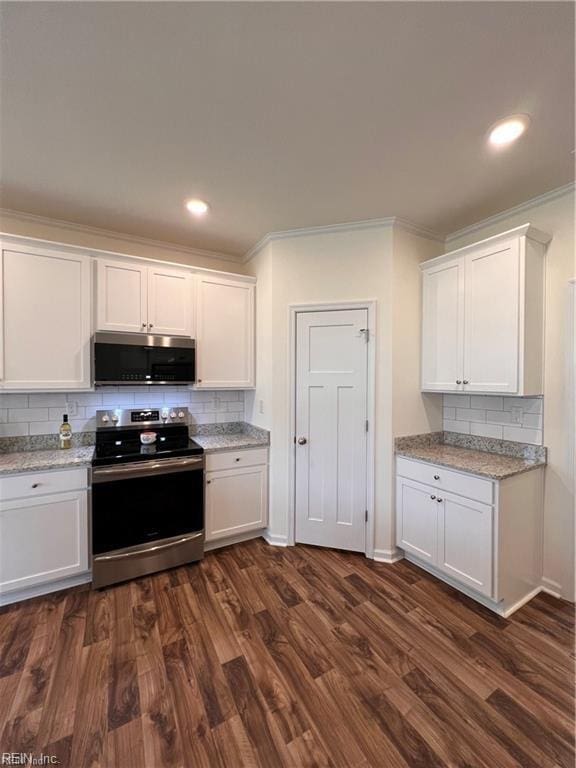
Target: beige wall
[
  {"x": 351, "y": 265},
  {"x": 557, "y": 219},
  {"x": 85, "y": 238}
]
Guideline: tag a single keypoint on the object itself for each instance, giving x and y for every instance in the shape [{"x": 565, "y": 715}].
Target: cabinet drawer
[
  {"x": 244, "y": 457},
  {"x": 446, "y": 479},
  {"x": 41, "y": 483}
]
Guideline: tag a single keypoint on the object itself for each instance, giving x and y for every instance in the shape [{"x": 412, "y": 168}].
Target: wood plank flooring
[{"x": 260, "y": 656}]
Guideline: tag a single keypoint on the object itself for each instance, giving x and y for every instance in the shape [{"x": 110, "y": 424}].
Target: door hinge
[
  {"x": 367, "y": 426},
  {"x": 366, "y": 516},
  {"x": 366, "y": 332}
]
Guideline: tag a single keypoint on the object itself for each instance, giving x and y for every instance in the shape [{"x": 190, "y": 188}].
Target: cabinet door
[
  {"x": 443, "y": 327},
  {"x": 121, "y": 296},
  {"x": 44, "y": 319},
  {"x": 416, "y": 519},
  {"x": 491, "y": 344},
  {"x": 42, "y": 539},
  {"x": 225, "y": 334},
  {"x": 170, "y": 309},
  {"x": 236, "y": 501},
  {"x": 465, "y": 545}
]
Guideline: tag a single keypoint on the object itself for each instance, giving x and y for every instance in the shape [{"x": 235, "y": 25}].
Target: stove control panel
[{"x": 140, "y": 417}]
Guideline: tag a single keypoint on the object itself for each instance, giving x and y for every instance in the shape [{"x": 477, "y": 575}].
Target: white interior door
[{"x": 331, "y": 438}]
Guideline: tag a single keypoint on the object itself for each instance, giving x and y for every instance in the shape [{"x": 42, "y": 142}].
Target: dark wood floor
[{"x": 269, "y": 657}]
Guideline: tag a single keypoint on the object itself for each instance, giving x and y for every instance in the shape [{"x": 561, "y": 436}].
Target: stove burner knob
[
  {"x": 105, "y": 418},
  {"x": 114, "y": 417},
  {"x": 172, "y": 415},
  {"x": 181, "y": 415}
]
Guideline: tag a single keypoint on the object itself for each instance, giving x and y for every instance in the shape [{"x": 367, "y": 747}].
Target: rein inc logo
[{"x": 27, "y": 758}]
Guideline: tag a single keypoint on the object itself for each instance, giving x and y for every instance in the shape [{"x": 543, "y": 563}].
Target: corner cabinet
[
  {"x": 136, "y": 298},
  {"x": 224, "y": 333},
  {"x": 45, "y": 300},
  {"x": 483, "y": 316}
]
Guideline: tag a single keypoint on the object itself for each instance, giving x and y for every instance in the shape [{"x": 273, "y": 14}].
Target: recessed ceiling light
[
  {"x": 508, "y": 130},
  {"x": 197, "y": 207}
]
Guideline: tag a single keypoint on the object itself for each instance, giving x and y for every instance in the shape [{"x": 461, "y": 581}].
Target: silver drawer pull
[{"x": 148, "y": 550}]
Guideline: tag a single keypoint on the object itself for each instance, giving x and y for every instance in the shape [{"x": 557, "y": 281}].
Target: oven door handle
[
  {"x": 148, "y": 550},
  {"x": 139, "y": 469}
]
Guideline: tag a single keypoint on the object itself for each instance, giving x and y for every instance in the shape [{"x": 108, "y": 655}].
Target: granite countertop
[
  {"x": 212, "y": 443},
  {"x": 487, "y": 457},
  {"x": 40, "y": 460}
]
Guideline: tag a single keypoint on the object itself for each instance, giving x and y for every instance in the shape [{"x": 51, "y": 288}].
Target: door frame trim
[{"x": 293, "y": 311}]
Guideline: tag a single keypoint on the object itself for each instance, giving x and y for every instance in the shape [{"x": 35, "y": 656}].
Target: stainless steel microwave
[{"x": 136, "y": 358}]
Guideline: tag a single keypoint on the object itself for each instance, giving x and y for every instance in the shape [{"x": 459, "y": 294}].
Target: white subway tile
[
  {"x": 457, "y": 401},
  {"x": 521, "y": 435},
  {"x": 449, "y": 413},
  {"x": 28, "y": 414},
  {"x": 13, "y": 401},
  {"x": 118, "y": 399},
  {"x": 487, "y": 402},
  {"x": 470, "y": 414},
  {"x": 457, "y": 426},
  {"x": 3, "y": 415},
  {"x": 486, "y": 430},
  {"x": 44, "y": 427},
  {"x": 57, "y": 413},
  {"x": 46, "y": 399},
  {"x": 532, "y": 420},
  {"x": 13, "y": 430},
  {"x": 88, "y": 398},
  {"x": 499, "y": 417},
  {"x": 528, "y": 404}
]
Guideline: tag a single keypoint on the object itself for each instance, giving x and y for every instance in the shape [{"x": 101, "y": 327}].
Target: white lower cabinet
[
  {"x": 43, "y": 539},
  {"x": 236, "y": 498},
  {"x": 489, "y": 551}
]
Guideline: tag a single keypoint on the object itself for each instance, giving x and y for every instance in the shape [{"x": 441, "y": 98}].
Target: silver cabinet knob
[
  {"x": 439, "y": 499},
  {"x": 436, "y": 477},
  {"x": 35, "y": 485},
  {"x": 150, "y": 325},
  {"x": 432, "y": 497},
  {"x": 458, "y": 381},
  {"x": 302, "y": 441},
  {"x": 465, "y": 381}
]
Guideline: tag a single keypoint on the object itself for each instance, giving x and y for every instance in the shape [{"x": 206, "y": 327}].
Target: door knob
[{"x": 302, "y": 441}]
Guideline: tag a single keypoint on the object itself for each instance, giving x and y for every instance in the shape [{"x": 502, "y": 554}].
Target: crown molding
[
  {"x": 73, "y": 227},
  {"x": 351, "y": 226},
  {"x": 547, "y": 197}
]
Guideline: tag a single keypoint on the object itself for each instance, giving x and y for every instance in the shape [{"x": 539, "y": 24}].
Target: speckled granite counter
[
  {"x": 487, "y": 457},
  {"x": 230, "y": 437},
  {"x": 39, "y": 461}
]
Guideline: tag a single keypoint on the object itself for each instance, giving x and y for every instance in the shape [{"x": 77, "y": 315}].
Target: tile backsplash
[
  {"x": 507, "y": 418},
  {"x": 40, "y": 413}
]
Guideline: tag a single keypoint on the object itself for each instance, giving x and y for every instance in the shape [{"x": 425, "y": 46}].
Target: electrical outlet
[
  {"x": 516, "y": 414},
  {"x": 261, "y": 406},
  {"x": 71, "y": 408}
]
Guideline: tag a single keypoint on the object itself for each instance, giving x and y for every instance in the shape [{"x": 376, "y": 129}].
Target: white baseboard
[
  {"x": 552, "y": 587},
  {"x": 7, "y": 598},
  {"x": 238, "y": 538},
  {"x": 275, "y": 539},
  {"x": 506, "y": 612},
  {"x": 388, "y": 555}
]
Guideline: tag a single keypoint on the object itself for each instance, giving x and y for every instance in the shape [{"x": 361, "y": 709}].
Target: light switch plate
[{"x": 71, "y": 408}]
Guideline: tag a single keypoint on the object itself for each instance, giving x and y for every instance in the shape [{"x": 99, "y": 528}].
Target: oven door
[
  {"x": 135, "y": 358},
  {"x": 146, "y": 516}
]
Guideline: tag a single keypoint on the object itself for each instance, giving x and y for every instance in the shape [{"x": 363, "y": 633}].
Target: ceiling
[{"x": 281, "y": 115}]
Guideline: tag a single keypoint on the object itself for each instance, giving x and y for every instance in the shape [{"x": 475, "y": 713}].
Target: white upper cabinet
[
  {"x": 136, "y": 298},
  {"x": 170, "y": 301},
  {"x": 224, "y": 333},
  {"x": 482, "y": 316},
  {"x": 44, "y": 318},
  {"x": 443, "y": 331},
  {"x": 121, "y": 296}
]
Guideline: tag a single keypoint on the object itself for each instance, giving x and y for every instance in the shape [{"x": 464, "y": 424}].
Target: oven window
[
  {"x": 125, "y": 362},
  {"x": 143, "y": 509}
]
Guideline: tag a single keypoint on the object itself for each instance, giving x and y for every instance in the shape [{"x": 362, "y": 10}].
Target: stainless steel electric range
[{"x": 147, "y": 494}]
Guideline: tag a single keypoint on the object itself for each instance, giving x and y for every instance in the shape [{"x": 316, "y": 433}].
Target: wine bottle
[{"x": 65, "y": 432}]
